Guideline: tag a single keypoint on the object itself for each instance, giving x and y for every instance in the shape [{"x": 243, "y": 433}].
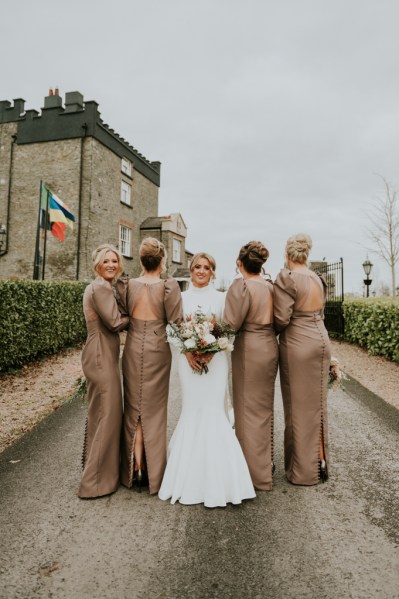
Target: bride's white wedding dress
[{"x": 205, "y": 464}]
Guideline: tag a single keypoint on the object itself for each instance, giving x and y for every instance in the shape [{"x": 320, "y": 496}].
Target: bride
[{"x": 205, "y": 464}]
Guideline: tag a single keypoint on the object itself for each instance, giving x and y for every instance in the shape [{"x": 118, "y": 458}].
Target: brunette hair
[
  {"x": 151, "y": 252},
  {"x": 99, "y": 254},
  {"x": 197, "y": 257},
  {"x": 253, "y": 255},
  {"x": 298, "y": 248}
]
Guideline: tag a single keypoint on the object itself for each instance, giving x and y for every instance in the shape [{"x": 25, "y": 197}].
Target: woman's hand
[
  {"x": 194, "y": 360},
  {"x": 206, "y": 358},
  {"x": 197, "y": 360}
]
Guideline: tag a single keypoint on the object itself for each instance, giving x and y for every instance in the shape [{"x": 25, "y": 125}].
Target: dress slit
[{"x": 131, "y": 454}]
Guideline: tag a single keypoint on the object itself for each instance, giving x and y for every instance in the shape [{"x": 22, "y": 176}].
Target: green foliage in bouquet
[
  {"x": 39, "y": 318},
  {"x": 374, "y": 325}
]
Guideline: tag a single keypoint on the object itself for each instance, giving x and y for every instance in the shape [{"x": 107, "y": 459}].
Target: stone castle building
[{"x": 109, "y": 186}]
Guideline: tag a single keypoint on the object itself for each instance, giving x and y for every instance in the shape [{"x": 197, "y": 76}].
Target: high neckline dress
[{"x": 205, "y": 462}]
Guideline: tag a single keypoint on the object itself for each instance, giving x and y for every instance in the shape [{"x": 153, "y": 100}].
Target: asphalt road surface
[{"x": 336, "y": 540}]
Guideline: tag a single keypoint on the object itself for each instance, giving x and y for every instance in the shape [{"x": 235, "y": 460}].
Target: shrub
[
  {"x": 373, "y": 324},
  {"x": 39, "y": 318}
]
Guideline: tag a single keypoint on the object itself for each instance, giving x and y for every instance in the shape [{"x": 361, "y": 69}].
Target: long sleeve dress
[
  {"x": 249, "y": 309},
  {"x": 100, "y": 363},
  {"x": 146, "y": 369},
  {"x": 299, "y": 298},
  {"x": 205, "y": 463}
]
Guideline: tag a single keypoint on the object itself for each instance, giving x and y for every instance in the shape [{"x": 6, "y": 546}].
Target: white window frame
[
  {"x": 176, "y": 250},
  {"x": 126, "y": 193},
  {"x": 125, "y": 241},
  {"x": 126, "y": 167}
]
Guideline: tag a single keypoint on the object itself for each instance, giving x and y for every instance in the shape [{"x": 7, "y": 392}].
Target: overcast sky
[{"x": 270, "y": 117}]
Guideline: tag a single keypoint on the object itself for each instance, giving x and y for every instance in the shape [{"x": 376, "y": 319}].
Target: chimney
[
  {"x": 73, "y": 102},
  {"x": 52, "y": 101},
  {"x": 57, "y": 91},
  {"x": 19, "y": 106}
]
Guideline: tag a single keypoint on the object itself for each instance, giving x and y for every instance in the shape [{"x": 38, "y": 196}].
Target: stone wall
[
  {"x": 58, "y": 163},
  {"x": 103, "y": 211}
]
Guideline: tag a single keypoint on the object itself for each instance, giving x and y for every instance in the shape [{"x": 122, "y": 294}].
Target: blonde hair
[
  {"x": 253, "y": 255},
  {"x": 152, "y": 252},
  {"x": 298, "y": 248},
  {"x": 203, "y": 255},
  {"x": 99, "y": 254}
]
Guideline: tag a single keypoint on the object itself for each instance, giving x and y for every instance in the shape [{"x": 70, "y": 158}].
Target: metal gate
[{"x": 333, "y": 313}]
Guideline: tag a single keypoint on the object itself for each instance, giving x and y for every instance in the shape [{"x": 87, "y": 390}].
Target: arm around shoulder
[
  {"x": 121, "y": 288},
  {"x": 284, "y": 295},
  {"x": 173, "y": 301},
  {"x": 106, "y": 307}
]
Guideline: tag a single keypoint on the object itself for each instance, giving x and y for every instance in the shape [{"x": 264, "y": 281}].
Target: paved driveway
[{"x": 337, "y": 540}]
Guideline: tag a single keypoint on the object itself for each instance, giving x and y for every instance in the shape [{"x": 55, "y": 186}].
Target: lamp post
[
  {"x": 3, "y": 232},
  {"x": 367, "y": 266}
]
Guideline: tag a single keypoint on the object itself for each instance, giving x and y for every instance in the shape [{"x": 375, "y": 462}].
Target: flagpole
[
  {"x": 47, "y": 218},
  {"x": 36, "y": 262}
]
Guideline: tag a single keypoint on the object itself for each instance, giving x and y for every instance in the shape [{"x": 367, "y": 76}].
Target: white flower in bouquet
[
  {"x": 190, "y": 344},
  {"x": 176, "y": 342},
  {"x": 223, "y": 343},
  {"x": 206, "y": 328},
  {"x": 208, "y": 339},
  {"x": 230, "y": 347}
]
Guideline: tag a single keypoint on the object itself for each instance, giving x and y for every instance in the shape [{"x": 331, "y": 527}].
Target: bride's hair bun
[
  {"x": 253, "y": 255},
  {"x": 298, "y": 248},
  {"x": 152, "y": 252}
]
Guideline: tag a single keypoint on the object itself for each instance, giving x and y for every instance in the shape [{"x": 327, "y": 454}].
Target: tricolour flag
[{"x": 59, "y": 215}]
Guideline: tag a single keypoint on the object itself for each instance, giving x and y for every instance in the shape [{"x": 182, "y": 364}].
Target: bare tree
[{"x": 384, "y": 230}]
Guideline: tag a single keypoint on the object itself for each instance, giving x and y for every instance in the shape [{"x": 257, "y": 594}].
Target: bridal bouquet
[{"x": 201, "y": 335}]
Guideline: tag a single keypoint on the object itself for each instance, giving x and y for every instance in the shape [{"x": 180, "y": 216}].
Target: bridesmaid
[
  {"x": 100, "y": 363},
  {"x": 249, "y": 309},
  {"x": 152, "y": 303},
  {"x": 299, "y": 298}
]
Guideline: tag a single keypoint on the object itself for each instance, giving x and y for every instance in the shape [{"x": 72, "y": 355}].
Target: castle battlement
[
  {"x": 8, "y": 113},
  {"x": 75, "y": 119}
]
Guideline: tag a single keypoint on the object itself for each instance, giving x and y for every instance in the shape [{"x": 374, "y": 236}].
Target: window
[
  {"x": 125, "y": 241},
  {"x": 126, "y": 193},
  {"x": 176, "y": 250},
  {"x": 126, "y": 167}
]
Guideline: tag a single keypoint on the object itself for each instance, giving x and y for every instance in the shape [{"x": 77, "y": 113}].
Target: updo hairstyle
[
  {"x": 197, "y": 257},
  {"x": 98, "y": 257},
  {"x": 298, "y": 248},
  {"x": 151, "y": 252},
  {"x": 253, "y": 255}
]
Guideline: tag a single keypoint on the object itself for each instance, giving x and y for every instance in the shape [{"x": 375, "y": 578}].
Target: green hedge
[
  {"x": 373, "y": 324},
  {"x": 39, "y": 318}
]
